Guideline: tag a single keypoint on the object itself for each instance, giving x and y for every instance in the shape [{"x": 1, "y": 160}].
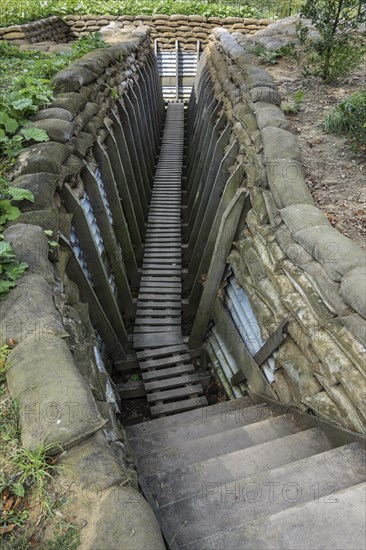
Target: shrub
[
  {"x": 349, "y": 118},
  {"x": 28, "y": 10},
  {"x": 338, "y": 50}
]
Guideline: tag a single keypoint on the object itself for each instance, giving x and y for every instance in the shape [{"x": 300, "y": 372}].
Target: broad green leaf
[
  {"x": 48, "y": 232},
  {"x": 15, "y": 269},
  {"x": 5, "y": 286},
  {"x": 21, "y": 104},
  {"x": 35, "y": 133},
  {"x": 10, "y": 124},
  {"x": 3, "y": 136},
  {"x": 8, "y": 211},
  {"x": 20, "y": 194},
  {"x": 6, "y": 251}
]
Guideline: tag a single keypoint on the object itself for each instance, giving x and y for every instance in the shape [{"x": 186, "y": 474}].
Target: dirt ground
[{"x": 335, "y": 176}]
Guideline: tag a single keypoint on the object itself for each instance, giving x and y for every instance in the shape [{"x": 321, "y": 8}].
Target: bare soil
[{"x": 335, "y": 176}]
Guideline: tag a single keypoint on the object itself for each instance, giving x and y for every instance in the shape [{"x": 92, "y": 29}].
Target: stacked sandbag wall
[
  {"x": 291, "y": 262},
  {"x": 60, "y": 365},
  {"x": 166, "y": 29},
  {"x": 50, "y": 29}
]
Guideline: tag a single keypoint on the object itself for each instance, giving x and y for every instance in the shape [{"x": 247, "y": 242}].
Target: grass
[
  {"x": 349, "y": 118},
  {"x": 29, "y": 490}
]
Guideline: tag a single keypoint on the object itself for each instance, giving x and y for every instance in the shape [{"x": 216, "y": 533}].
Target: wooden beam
[
  {"x": 217, "y": 266},
  {"x": 131, "y": 390},
  {"x": 273, "y": 342}
]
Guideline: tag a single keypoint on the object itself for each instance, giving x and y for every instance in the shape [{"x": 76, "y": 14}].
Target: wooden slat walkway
[{"x": 167, "y": 371}]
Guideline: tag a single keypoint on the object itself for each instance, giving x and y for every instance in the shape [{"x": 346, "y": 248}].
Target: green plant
[
  {"x": 28, "y": 10},
  {"x": 87, "y": 43},
  {"x": 51, "y": 243},
  {"x": 35, "y": 467},
  {"x": 67, "y": 537},
  {"x": 9, "y": 419},
  {"x": 265, "y": 55},
  {"x": 349, "y": 118},
  {"x": 338, "y": 49},
  {"x": 295, "y": 105}
]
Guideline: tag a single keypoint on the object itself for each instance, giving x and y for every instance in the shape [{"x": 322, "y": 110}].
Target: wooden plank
[
  {"x": 232, "y": 184},
  {"x": 203, "y": 195},
  {"x": 157, "y": 340},
  {"x": 161, "y": 282},
  {"x": 144, "y": 190},
  {"x": 95, "y": 263},
  {"x": 148, "y": 329},
  {"x": 161, "y": 352},
  {"x": 174, "y": 382},
  {"x": 146, "y": 296},
  {"x": 158, "y": 312},
  {"x": 164, "y": 261},
  {"x": 208, "y": 208},
  {"x": 178, "y": 406},
  {"x": 114, "y": 346},
  {"x": 168, "y": 395},
  {"x": 137, "y": 191},
  {"x": 153, "y": 306},
  {"x": 156, "y": 321},
  {"x": 159, "y": 271},
  {"x": 119, "y": 220},
  {"x": 131, "y": 390},
  {"x": 166, "y": 373},
  {"x": 164, "y": 361},
  {"x": 217, "y": 266},
  {"x": 273, "y": 342},
  {"x": 129, "y": 206},
  {"x": 109, "y": 239}
]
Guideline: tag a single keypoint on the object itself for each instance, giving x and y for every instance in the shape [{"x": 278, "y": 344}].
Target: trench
[{"x": 172, "y": 208}]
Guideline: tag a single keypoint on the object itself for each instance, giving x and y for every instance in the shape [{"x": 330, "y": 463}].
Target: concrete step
[
  {"x": 187, "y": 480},
  {"x": 155, "y": 438},
  {"x": 190, "y": 452},
  {"x": 222, "y": 506},
  {"x": 333, "y": 521}
]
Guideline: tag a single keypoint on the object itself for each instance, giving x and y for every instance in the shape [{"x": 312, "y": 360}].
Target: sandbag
[
  {"x": 331, "y": 356},
  {"x": 336, "y": 252},
  {"x": 354, "y": 385},
  {"x": 298, "y": 370},
  {"x": 353, "y": 289},
  {"x": 56, "y": 403},
  {"x": 344, "y": 405},
  {"x": 300, "y": 216},
  {"x": 286, "y": 182},
  {"x": 355, "y": 351},
  {"x": 325, "y": 408}
]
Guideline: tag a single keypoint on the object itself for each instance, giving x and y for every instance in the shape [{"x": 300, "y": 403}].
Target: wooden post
[
  {"x": 110, "y": 241},
  {"x": 95, "y": 263},
  {"x": 119, "y": 221},
  {"x": 222, "y": 249}
]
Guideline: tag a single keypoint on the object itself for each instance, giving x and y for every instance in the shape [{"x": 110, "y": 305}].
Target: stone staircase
[{"x": 237, "y": 477}]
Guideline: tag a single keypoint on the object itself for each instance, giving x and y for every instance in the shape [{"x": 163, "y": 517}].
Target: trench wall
[
  {"x": 167, "y": 29},
  {"x": 287, "y": 262},
  {"x": 68, "y": 314}
]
